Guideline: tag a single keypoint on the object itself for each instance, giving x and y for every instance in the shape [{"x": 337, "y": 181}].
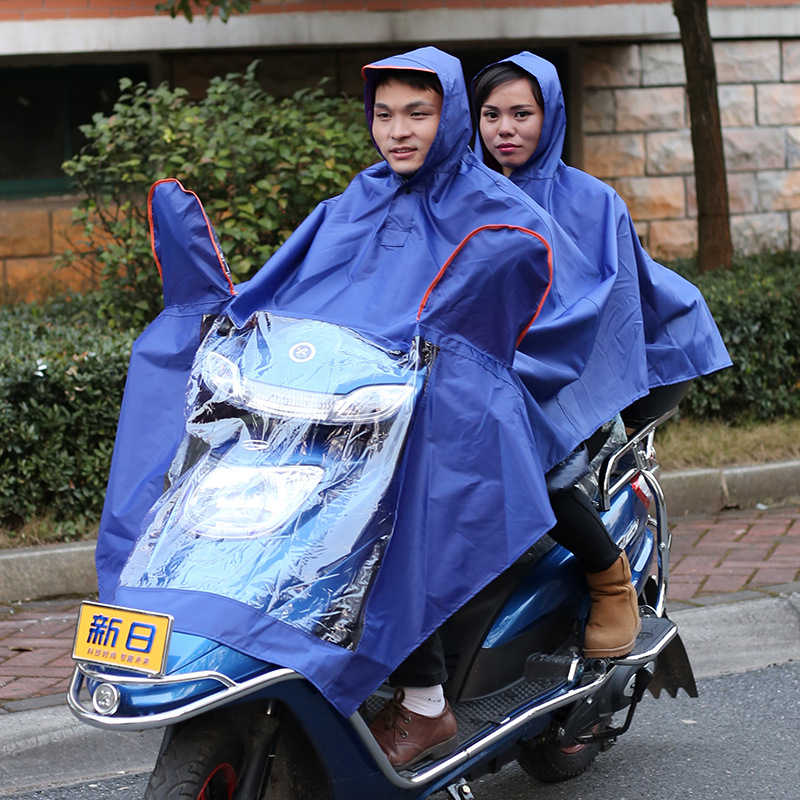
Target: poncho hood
[
  {"x": 546, "y": 158},
  {"x": 455, "y": 128}
]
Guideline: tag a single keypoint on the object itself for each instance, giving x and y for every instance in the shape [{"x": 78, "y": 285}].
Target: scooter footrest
[
  {"x": 655, "y": 635},
  {"x": 545, "y": 666},
  {"x": 477, "y": 718},
  {"x": 473, "y": 715}
]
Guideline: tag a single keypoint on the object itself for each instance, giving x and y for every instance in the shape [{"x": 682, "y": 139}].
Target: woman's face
[{"x": 511, "y": 124}]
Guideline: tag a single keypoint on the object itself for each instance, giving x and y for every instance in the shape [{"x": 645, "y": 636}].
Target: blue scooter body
[
  {"x": 552, "y": 585},
  {"x": 276, "y": 500}
]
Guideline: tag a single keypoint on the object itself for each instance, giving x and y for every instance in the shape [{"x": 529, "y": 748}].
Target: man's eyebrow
[{"x": 412, "y": 104}]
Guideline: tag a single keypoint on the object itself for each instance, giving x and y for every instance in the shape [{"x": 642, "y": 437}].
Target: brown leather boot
[
  {"x": 614, "y": 620},
  {"x": 407, "y": 737}
]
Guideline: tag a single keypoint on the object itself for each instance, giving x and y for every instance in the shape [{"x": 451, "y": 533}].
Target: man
[{"x": 396, "y": 225}]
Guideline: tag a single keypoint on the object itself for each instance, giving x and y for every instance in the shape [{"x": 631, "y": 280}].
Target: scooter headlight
[
  {"x": 236, "y": 501},
  {"x": 366, "y": 404}
]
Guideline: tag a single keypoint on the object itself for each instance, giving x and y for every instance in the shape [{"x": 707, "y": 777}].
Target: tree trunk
[{"x": 714, "y": 248}]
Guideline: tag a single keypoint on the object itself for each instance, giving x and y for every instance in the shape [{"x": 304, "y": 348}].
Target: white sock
[{"x": 428, "y": 701}]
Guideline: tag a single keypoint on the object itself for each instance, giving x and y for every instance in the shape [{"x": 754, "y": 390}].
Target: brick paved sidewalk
[
  {"x": 733, "y": 555},
  {"x": 35, "y": 647},
  {"x": 743, "y": 553}
]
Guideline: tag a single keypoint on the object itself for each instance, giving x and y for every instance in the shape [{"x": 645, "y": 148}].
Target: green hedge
[
  {"x": 258, "y": 163},
  {"x": 61, "y": 380},
  {"x": 62, "y": 374},
  {"x": 756, "y": 307}
]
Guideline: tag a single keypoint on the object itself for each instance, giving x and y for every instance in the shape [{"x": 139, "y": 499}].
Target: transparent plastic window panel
[{"x": 280, "y": 495}]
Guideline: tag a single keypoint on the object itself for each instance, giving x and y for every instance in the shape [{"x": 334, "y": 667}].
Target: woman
[{"x": 521, "y": 123}]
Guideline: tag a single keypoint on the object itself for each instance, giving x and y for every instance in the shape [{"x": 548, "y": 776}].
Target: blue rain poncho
[
  {"x": 679, "y": 340},
  {"x": 454, "y": 256}
]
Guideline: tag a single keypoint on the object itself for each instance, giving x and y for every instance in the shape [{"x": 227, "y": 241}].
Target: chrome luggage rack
[{"x": 640, "y": 454}]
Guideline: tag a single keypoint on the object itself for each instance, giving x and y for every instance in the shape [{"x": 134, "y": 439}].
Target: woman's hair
[
  {"x": 497, "y": 74},
  {"x": 419, "y": 79}
]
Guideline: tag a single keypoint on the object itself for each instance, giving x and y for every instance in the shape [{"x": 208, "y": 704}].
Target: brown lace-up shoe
[{"x": 407, "y": 737}]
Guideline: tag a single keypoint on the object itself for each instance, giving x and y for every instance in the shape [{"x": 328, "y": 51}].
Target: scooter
[{"x": 276, "y": 456}]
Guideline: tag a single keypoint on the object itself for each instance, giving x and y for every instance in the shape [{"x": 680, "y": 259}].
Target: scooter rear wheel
[
  {"x": 549, "y": 763},
  {"x": 201, "y": 762}
]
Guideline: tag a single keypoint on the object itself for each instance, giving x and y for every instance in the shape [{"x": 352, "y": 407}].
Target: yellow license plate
[{"x": 122, "y": 637}]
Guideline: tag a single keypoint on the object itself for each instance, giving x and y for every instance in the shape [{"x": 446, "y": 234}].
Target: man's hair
[
  {"x": 415, "y": 78},
  {"x": 498, "y": 74}
]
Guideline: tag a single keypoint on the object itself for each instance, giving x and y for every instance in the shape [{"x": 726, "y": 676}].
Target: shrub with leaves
[
  {"x": 62, "y": 374},
  {"x": 188, "y": 8},
  {"x": 259, "y": 165},
  {"x": 61, "y": 379},
  {"x": 756, "y": 307}
]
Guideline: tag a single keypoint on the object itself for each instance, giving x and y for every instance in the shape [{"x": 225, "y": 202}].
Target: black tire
[
  {"x": 549, "y": 763},
  {"x": 202, "y": 762}
]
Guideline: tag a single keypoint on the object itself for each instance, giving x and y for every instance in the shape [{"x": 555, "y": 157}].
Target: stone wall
[
  {"x": 635, "y": 135},
  {"x": 32, "y": 234}
]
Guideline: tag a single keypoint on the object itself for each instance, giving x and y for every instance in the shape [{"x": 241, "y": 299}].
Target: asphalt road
[
  {"x": 51, "y": 748},
  {"x": 737, "y": 741},
  {"x": 129, "y": 787}
]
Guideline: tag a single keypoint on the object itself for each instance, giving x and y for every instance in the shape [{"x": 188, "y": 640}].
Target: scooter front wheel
[{"x": 201, "y": 762}]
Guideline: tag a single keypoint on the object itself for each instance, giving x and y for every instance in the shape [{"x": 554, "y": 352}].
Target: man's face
[{"x": 404, "y": 125}]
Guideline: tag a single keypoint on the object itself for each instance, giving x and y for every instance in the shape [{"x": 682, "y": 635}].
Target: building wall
[
  {"x": 30, "y": 28},
  {"x": 628, "y": 116},
  {"x": 37, "y": 10},
  {"x": 32, "y": 233},
  {"x": 636, "y": 136}
]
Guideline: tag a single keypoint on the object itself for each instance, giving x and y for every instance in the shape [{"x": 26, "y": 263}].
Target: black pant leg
[
  {"x": 580, "y": 530},
  {"x": 424, "y": 667}
]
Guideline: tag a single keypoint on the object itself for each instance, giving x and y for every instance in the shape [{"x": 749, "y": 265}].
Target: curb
[
  {"x": 707, "y": 491},
  {"x": 36, "y": 746},
  {"x": 38, "y": 573},
  {"x": 767, "y": 632}
]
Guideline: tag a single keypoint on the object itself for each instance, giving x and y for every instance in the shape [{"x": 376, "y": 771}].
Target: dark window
[{"x": 43, "y": 108}]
